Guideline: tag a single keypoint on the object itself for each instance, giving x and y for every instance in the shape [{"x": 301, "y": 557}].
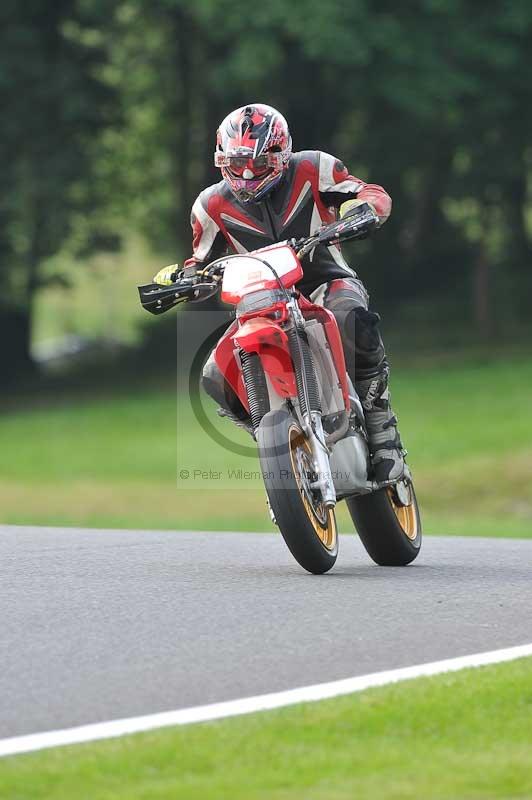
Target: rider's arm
[
  {"x": 208, "y": 244},
  {"x": 343, "y": 191}
]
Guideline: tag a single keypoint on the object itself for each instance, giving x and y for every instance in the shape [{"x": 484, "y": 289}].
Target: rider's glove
[
  {"x": 167, "y": 275},
  {"x": 350, "y": 206}
]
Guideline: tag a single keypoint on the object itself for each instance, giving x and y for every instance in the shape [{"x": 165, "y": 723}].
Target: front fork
[
  {"x": 309, "y": 406},
  {"x": 320, "y": 453}
]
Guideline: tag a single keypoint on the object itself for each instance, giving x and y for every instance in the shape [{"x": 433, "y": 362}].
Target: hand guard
[
  {"x": 158, "y": 298},
  {"x": 350, "y": 207},
  {"x": 359, "y": 221},
  {"x": 167, "y": 275}
]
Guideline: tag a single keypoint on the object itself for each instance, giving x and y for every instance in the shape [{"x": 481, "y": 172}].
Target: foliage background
[{"x": 112, "y": 108}]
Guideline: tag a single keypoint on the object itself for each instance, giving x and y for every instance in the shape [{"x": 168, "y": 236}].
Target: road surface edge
[{"x": 248, "y": 705}]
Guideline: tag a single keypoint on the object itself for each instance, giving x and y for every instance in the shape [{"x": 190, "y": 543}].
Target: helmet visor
[{"x": 259, "y": 166}]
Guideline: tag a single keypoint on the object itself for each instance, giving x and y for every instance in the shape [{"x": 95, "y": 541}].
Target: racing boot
[{"x": 387, "y": 453}]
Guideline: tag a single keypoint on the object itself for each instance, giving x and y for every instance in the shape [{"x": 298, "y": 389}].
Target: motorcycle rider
[{"x": 269, "y": 194}]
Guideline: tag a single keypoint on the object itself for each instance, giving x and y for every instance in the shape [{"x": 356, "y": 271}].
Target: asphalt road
[{"x": 99, "y": 625}]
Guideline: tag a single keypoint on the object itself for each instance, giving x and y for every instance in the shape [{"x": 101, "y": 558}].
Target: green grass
[
  {"x": 113, "y": 459},
  {"x": 461, "y": 736}
]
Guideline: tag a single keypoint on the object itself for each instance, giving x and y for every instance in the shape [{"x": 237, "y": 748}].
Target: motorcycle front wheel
[
  {"x": 389, "y": 524},
  {"x": 306, "y": 524}
]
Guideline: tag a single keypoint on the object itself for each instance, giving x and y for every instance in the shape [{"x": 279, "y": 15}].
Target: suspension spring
[
  {"x": 256, "y": 387},
  {"x": 305, "y": 372}
]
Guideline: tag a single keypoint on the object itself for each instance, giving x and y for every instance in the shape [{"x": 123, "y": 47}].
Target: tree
[
  {"x": 114, "y": 107},
  {"x": 57, "y": 105}
]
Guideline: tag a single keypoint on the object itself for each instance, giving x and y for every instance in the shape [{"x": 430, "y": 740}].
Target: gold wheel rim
[
  {"x": 325, "y": 529},
  {"x": 406, "y": 515}
]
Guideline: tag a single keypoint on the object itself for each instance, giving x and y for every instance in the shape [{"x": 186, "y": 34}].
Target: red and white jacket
[{"x": 313, "y": 188}]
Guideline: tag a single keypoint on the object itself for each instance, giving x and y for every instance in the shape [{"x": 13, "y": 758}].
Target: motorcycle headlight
[{"x": 258, "y": 301}]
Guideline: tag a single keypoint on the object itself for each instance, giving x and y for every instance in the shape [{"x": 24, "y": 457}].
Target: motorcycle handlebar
[
  {"x": 157, "y": 299},
  {"x": 355, "y": 226}
]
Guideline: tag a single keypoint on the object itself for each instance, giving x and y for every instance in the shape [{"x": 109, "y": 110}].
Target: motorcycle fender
[
  {"x": 264, "y": 337},
  {"x": 229, "y": 365}
]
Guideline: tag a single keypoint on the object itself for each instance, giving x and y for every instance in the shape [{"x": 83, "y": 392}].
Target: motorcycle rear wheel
[
  {"x": 389, "y": 530},
  {"x": 307, "y": 526}
]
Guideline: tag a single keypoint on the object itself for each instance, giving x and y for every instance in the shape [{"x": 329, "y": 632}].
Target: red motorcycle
[{"x": 283, "y": 357}]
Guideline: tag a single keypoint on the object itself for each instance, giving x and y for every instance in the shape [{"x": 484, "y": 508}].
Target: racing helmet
[{"x": 253, "y": 148}]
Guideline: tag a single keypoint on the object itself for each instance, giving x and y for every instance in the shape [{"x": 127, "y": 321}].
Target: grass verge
[
  {"x": 115, "y": 459},
  {"x": 460, "y": 736}
]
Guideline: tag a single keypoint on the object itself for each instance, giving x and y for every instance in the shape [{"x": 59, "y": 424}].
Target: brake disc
[{"x": 403, "y": 493}]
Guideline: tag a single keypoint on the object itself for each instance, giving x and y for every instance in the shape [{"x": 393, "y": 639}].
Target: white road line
[{"x": 248, "y": 705}]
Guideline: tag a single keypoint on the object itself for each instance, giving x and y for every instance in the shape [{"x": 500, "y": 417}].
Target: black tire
[
  {"x": 308, "y": 528},
  {"x": 390, "y": 532}
]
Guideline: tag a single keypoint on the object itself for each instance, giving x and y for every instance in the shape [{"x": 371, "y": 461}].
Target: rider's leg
[
  {"x": 214, "y": 383},
  {"x": 368, "y": 368}
]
